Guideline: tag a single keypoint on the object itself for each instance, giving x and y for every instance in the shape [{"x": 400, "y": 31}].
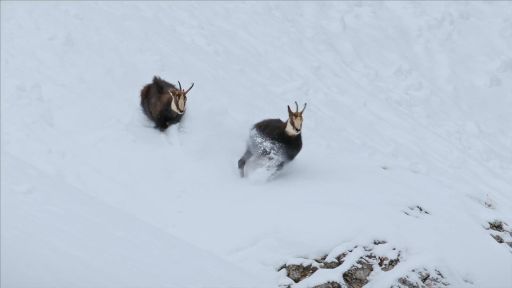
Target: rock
[
  {"x": 328, "y": 285},
  {"x": 330, "y": 265},
  {"x": 299, "y": 272},
  {"x": 333, "y": 264},
  {"x": 386, "y": 264},
  {"x": 426, "y": 280},
  {"x": 357, "y": 275},
  {"x": 496, "y": 226},
  {"x": 498, "y": 238},
  {"x": 405, "y": 282},
  {"x": 436, "y": 280}
]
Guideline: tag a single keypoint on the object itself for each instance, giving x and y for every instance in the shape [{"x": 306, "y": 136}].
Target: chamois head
[
  {"x": 294, "y": 124},
  {"x": 179, "y": 98}
]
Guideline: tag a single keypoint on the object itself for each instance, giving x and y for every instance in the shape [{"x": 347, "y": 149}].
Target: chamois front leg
[
  {"x": 280, "y": 166},
  {"x": 241, "y": 163},
  {"x": 161, "y": 123}
]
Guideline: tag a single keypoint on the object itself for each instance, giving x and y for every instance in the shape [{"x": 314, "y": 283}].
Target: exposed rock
[
  {"x": 321, "y": 259},
  {"x": 357, "y": 275},
  {"x": 299, "y": 272},
  {"x": 387, "y": 264},
  {"x": 406, "y": 283},
  {"x": 498, "y": 238},
  {"x": 496, "y": 225},
  {"x": 433, "y": 280},
  {"x": 330, "y": 265},
  {"x": 341, "y": 257},
  {"x": 328, "y": 285},
  {"x": 425, "y": 279}
]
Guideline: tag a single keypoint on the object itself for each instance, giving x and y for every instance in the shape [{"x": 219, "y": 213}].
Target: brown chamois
[
  {"x": 275, "y": 140},
  {"x": 163, "y": 103}
]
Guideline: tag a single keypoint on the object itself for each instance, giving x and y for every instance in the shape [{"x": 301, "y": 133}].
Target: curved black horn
[
  {"x": 189, "y": 88},
  {"x": 180, "y": 85},
  {"x": 305, "y": 104},
  {"x": 296, "y": 107}
]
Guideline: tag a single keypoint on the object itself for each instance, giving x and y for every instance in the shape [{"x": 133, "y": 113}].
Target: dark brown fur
[
  {"x": 271, "y": 136},
  {"x": 273, "y": 130},
  {"x": 156, "y": 103}
]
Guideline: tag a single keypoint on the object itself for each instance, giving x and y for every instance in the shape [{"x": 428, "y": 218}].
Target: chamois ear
[
  {"x": 172, "y": 94},
  {"x": 290, "y": 113}
]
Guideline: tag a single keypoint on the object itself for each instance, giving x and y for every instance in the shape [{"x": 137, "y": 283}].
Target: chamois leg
[
  {"x": 241, "y": 163},
  {"x": 279, "y": 167},
  {"x": 161, "y": 124}
]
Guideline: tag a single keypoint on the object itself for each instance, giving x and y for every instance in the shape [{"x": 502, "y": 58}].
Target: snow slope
[{"x": 408, "y": 104}]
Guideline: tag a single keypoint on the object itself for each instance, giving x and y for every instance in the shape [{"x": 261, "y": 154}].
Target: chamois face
[
  {"x": 179, "y": 99},
  {"x": 294, "y": 124}
]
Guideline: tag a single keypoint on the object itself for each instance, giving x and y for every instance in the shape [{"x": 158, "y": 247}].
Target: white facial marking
[
  {"x": 181, "y": 103},
  {"x": 290, "y": 130},
  {"x": 298, "y": 122},
  {"x": 174, "y": 108}
]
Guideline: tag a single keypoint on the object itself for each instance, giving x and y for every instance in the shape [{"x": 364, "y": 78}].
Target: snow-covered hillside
[{"x": 407, "y": 140}]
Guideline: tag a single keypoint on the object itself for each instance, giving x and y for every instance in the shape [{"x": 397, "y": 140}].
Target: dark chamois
[
  {"x": 275, "y": 140},
  {"x": 163, "y": 103}
]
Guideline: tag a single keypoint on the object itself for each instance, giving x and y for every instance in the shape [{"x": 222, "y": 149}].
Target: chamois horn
[
  {"x": 189, "y": 88},
  {"x": 302, "y": 111}
]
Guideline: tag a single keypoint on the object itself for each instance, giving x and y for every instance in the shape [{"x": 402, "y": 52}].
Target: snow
[{"x": 408, "y": 105}]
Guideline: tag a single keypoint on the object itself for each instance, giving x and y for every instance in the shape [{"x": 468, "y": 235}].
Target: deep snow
[{"x": 408, "y": 104}]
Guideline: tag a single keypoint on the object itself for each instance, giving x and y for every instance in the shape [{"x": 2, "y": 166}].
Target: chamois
[
  {"x": 275, "y": 140},
  {"x": 163, "y": 103}
]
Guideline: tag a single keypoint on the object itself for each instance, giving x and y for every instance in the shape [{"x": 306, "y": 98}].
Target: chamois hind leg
[{"x": 241, "y": 163}]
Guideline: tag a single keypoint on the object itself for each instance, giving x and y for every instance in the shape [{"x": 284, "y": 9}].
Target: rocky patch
[
  {"x": 501, "y": 232},
  {"x": 352, "y": 267},
  {"x": 299, "y": 272},
  {"x": 357, "y": 275},
  {"x": 329, "y": 285},
  {"x": 422, "y": 278}
]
